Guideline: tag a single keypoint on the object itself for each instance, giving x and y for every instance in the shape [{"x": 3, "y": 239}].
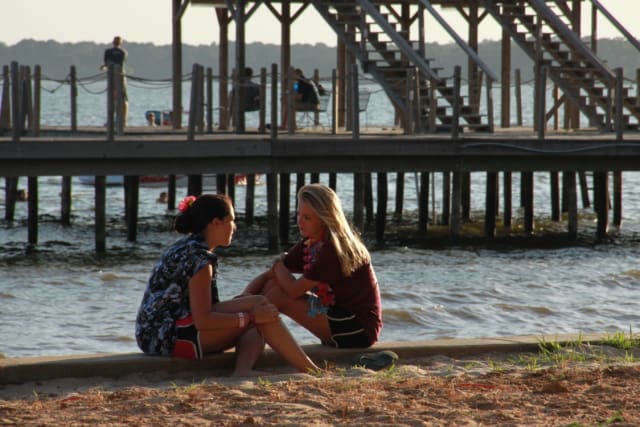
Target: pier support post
[
  {"x": 194, "y": 185},
  {"x": 456, "y": 205},
  {"x": 507, "y": 186},
  {"x": 381, "y": 209},
  {"x": 171, "y": 192},
  {"x": 569, "y": 179},
  {"x": 33, "y": 210},
  {"x": 584, "y": 190},
  {"x": 272, "y": 212},
  {"x": 527, "y": 201},
  {"x": 73, "y": 95},
  {"x": 554, "y": 183},
  {"x": 518, "y": 94},
  {"x": 491, "y": 202},
  {"x": 11, "y": 182},
  {"x": 5, "y": 106},
  {"x": 262, "y": 122},
  {"x": 249, "y": 199},
  {"x": 399, "y": 194},
  {"x": 100, "y": 213},
  {"x": 110, "y": 103},
  {"x": 368, "y": 198},
  {"x": 617, "y": 198},
  {"x": 65, "y": 201},
  {"x": 209, "y": 102},
  {"x": 423, "y": 202},
  {"x": 333, "y": 181},
  {"x": 358, "y": 201},
  {"x": 285, "y": 196},
  {"x": 37, "y": 100},
  {"x": 132, "y": 197},
  {"x": 446, "y": 198},
  {"x": 601, "y": 202}
]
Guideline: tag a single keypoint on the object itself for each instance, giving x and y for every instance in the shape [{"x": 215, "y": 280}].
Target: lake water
[{"x": 64, "y": 299}]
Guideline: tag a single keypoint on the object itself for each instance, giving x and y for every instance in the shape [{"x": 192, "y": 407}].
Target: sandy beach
[{"x": 578, "y": 385}]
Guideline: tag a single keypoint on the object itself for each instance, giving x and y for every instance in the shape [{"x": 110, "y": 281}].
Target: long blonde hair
[{"x": 351, "y": 251}]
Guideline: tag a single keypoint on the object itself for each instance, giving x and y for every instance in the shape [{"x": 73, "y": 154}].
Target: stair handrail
[
  {"x": 612, "y": 19},
  {"x": 570, "y": 35},
  {"x": 400, "y": 41},
  {"x": 395, "y": 98},
  {"x": 472, "y": 53}
]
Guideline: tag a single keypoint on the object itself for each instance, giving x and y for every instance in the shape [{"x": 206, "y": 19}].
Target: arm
[
  {"x": 293, "y": 287},
  {"x": 200, "y": 302},
  {"x": 257, "y": 284}
]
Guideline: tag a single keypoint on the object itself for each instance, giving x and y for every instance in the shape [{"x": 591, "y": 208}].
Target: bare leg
[
  {"x": 280, "y": 339},
  {"x": 250, "y": 344},
  {"x": 297, "y": 309},
  {"x": 249, "y": 348}
]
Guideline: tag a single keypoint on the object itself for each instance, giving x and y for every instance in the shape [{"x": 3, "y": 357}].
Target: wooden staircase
[
  {"x": 543, "y": 30},
  {"x": 386, "y": 52}
]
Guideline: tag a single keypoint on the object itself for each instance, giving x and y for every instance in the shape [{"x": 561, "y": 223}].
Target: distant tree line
[{"x": 150, "y": 61}]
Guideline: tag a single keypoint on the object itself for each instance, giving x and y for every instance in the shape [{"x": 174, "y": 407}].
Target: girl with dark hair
[{"x": 181, "y": 314}]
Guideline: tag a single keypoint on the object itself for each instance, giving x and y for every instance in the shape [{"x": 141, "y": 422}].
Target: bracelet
[
  {"x": 252, "y": 319},
  {"x": 241, "y": 320}
]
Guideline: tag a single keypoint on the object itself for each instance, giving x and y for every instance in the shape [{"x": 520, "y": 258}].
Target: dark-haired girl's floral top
[{"x": 166, "y": 298}]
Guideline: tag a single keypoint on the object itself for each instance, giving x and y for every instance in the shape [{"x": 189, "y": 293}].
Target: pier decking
[{"x": 506, "y": 150}]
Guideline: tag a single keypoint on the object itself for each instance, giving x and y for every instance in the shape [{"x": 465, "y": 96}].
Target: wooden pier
[
  {"x": 506, "y": 152},
  {"x": 443, "y": 129}
]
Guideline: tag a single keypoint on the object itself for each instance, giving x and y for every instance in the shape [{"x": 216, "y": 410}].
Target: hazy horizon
[{"x": 98, "y": 22}]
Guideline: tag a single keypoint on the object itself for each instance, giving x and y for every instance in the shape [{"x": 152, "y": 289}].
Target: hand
[
  {"x": 265, "y": 313},
  {"x": 280, "y": 258}
]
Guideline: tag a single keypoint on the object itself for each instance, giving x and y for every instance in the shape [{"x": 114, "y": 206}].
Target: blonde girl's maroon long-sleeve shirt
[{"x": 358, "y": 293}]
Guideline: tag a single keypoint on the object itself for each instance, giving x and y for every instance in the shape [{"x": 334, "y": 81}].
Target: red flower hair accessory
[{"x": 186, "y": 203}]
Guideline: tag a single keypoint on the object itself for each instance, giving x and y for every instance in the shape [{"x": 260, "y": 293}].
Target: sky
[{"x": 149, "y": 21}]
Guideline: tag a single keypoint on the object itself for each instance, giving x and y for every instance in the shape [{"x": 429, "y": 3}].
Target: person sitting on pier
[
  {"x": 151, "y": 119},
  {"x": 307, "y": 96},
  {"x": 336, "y": 297},
  {"x": 251, "y": 95},
  {"x": 181, "y": 314}
]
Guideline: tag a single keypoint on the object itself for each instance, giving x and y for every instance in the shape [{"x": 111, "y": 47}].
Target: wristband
[{"x": 241, "y": 322}]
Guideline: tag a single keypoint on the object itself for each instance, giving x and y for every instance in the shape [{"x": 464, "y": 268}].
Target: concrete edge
[{"x": 23, "y": 370}]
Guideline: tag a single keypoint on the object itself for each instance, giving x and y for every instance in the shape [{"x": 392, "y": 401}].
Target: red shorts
[{"x": 187, "y": 340}]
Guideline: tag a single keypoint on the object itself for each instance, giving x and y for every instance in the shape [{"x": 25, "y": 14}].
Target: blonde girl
[{"x": 325, "y": 282}]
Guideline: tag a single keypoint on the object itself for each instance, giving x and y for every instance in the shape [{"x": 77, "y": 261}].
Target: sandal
[{"x": 376, "y": 361}]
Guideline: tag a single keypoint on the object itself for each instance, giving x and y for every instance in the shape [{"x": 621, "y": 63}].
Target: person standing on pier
[
  {"x": 335, "y": 293},
  {"x": 117, "y": 55},
  {"x": 181, "y": 315}
]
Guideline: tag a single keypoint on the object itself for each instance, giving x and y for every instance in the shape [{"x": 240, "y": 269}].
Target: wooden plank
[{"x": 141, "y": 156}]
